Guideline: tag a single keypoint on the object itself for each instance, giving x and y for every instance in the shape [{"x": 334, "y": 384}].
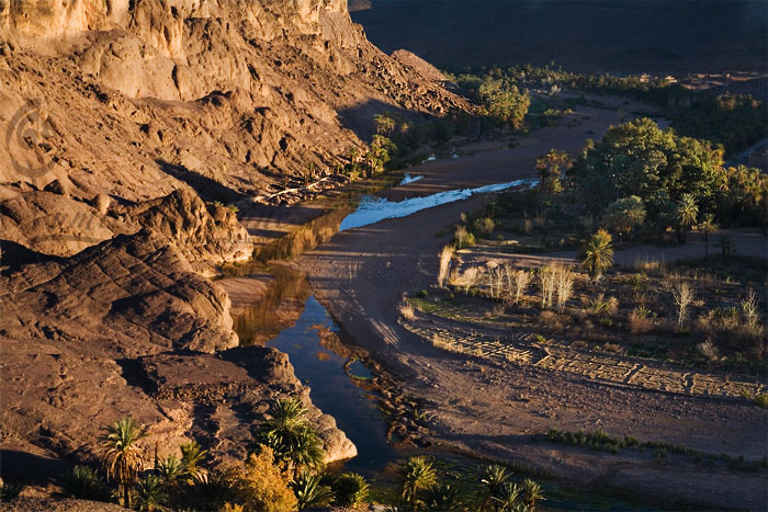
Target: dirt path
[{"x": 494, "y": 407}]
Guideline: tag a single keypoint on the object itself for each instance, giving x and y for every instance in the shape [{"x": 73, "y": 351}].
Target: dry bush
[
  {"x": 683, "y": 295},
  {"x": 648, "y": 264},
  {"x": 484, "y": 227},
  {"x": 496, "y": 282},
  {"x": 407, "y": 311},
  {"x": 564, "y": 283},
  {"x": 751, "y": 314},
  {"x": 522, "y": 279},
  {"x": 463, "y": 238},
  {"x": 709, "y": 350},
  {"x": 466, "y": 279},
  {"x": 446, "y": 256},
  {"x": 547, "y": 276}
]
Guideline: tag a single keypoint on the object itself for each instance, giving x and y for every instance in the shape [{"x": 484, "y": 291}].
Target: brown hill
[{"x": 125, "y": 124}]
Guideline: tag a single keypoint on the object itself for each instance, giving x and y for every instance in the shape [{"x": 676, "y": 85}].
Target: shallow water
[
  {"x": 408, "y": 179},
  {"x": 375, "y": 209},
  {"x": 333, "y": 389}
]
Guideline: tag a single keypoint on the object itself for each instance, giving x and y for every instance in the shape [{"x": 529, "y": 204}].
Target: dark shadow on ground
[
  {"x": 20, "y": 466},
  {"x": 206, "y": 188}
]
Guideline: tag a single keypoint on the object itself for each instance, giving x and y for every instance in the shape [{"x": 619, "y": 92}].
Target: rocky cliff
[{"x": 128, "y": 127}]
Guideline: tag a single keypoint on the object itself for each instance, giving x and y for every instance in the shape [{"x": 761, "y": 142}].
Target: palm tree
[
  {"x": 122, "y": 456},
  {"x": 171, "y": 470},
  {"x": 192, "y": 457},
  {"x": 626, "y": 214},
  {"x": 310, "y": 492},
  {"x": 597, "y": 255},
  {"x": 151, "y": 495},
  {"x": 707, "y": 227},
  {"x": 531, "y": 493},
  {"x": 288, "y": 432},
  {"x": 83, "y": 483},
  {"x": 416, "y": 474},
  {"x": 493, "y": 479},
  {"x": 686, "y": 213},
  {"x": 441, "y": 497},
  {"x": 385, "y": 124},
  {"x": 507, "y": 498}
]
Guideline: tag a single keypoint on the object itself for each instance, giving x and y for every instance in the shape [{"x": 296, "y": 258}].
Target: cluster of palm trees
[
  {"x": 495, "y": 492},
  {"x": 284, "y": 471}
]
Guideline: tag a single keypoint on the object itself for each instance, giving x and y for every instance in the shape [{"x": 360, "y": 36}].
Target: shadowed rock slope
[{"x": 127, "y": 128}]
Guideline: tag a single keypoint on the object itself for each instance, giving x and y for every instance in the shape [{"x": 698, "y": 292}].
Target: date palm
[
  {"x": 151, "y": 495},
  {"x": 687, "y": 213},
  {"x": 707, "y": 228},
  {"x": 122, "y": 455},
  {"x": 532, "y": 493},
  {"x": 291, "y": 436},
  {"x": 493, "y": 479},
  {"x": 597, "y": 254},
  {"x": 192, "y": 457},
  {"x": 416, "y": 474},
  {"x": 310, "y": 492},
  {"x": 507, "y": 499}
]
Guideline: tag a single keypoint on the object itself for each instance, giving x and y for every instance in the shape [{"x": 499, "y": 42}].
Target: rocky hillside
[{"x": 128, "y": 128}]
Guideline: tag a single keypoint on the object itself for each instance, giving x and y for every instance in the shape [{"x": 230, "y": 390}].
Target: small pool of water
[
  {"x": 409, "y": 179},
  {"x": 333, "y": 388},
  {"x": 375, "y": 209}
]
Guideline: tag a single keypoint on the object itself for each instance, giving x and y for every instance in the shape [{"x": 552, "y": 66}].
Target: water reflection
[{"x": 332, "y": 379}]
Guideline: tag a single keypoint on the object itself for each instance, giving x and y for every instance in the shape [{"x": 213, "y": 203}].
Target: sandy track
[{"x": 494, "y": 408}]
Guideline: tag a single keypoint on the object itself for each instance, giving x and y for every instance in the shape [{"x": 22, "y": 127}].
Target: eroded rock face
[
  {"x": 127, "y": 328},
  {"x": 127, "y": 122},
  {"x": 138, "y": 97},
  {"x": 232, "y": 392},
  {"x": 129, "y": 296}
]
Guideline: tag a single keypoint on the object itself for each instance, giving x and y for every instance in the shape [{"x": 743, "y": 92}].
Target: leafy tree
[
  {"x": 262, "y": 486},
  {"x": 597, "y": 254},
  {"x": 551, "y": 167},
  {"x": 310, "y": 492},
  {"x": 503, "y": 101},
  {"x": 289, "y": 434},
  {"x": 640, "y": 159},
  {"x": 416, "y": 475},
  {"x": 626, "y": 214},
  {"x": 151, "y": 495},
  {"x": 727, "y": 246},
  {"x": 122, "y": 455},
  {"x": 707, "y": 228},
  {"x": 83, "y": 483}
]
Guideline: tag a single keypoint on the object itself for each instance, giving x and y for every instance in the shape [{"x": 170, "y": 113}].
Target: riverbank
[{"x": 499, "y": 409}]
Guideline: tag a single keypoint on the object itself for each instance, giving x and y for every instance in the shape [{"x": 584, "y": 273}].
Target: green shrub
[
  {"x": 350, "y": 489},
  {"x": 83, "y": 483}
]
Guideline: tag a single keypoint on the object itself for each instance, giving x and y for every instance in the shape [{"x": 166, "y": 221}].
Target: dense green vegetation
[
  {"x": 678, "y": 180},
  {"x": 733, "y": 120}
]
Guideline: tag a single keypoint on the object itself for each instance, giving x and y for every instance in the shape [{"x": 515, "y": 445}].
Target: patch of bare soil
[{"x": 497, "y": 408}]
